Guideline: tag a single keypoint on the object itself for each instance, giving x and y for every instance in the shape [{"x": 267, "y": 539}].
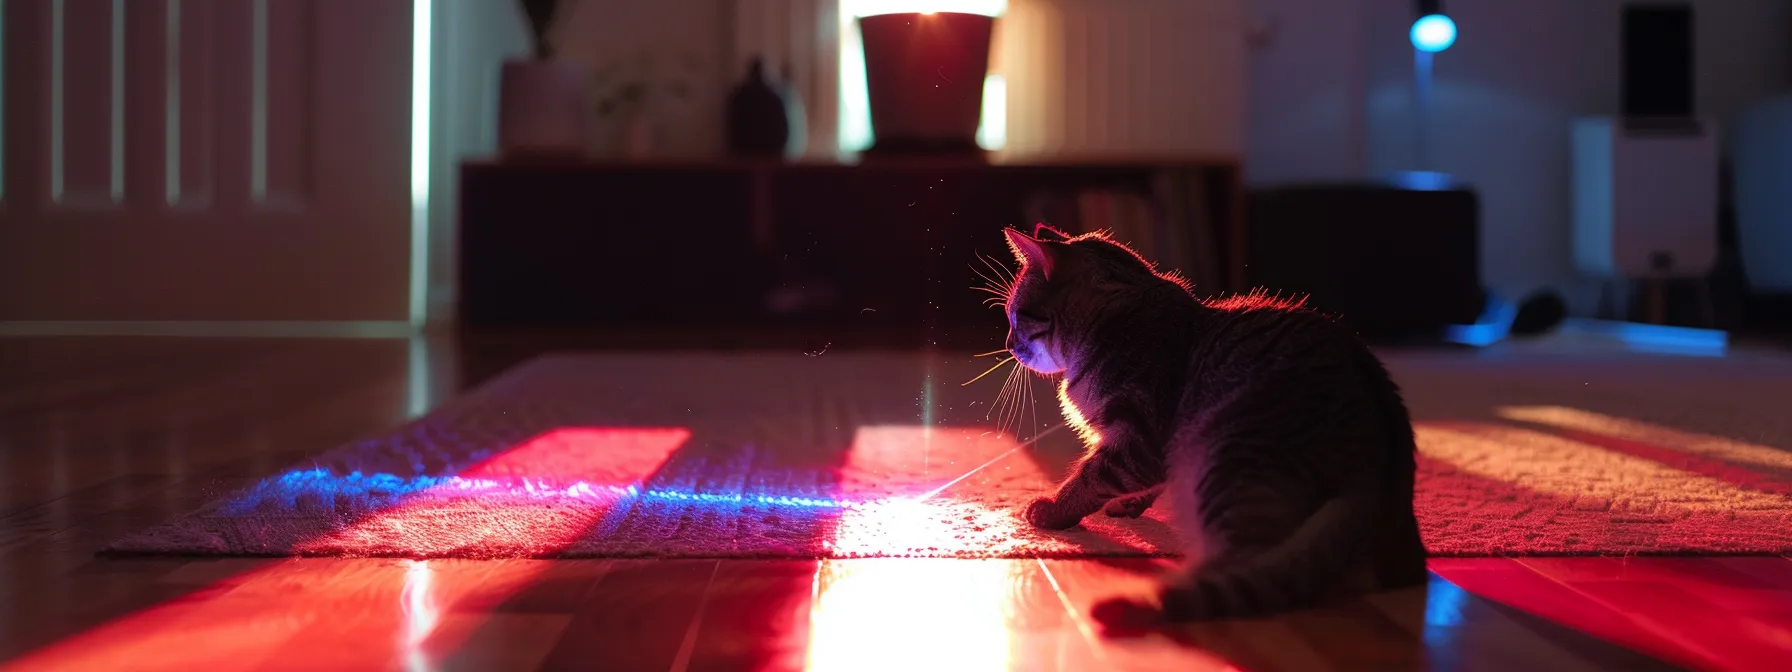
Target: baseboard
[
  {"x": 1772, "y": 311},
  {"x": 211, "y": 329}
]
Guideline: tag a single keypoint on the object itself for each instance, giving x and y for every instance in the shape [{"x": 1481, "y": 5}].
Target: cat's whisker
[
  {"x": 1033, "y": 405},
  {"x": 991, "y": 290},
  {"x": 1000, "y": 269},
  {"x": 995, "y": 407},
  {"x": 1002, "y": 279},
  {"x": 997, "y": 281},
  {"x": 999, "y": 408},
  {"x": 1011, "y": 419},
  {"x": 1024, "y": 402},
  {"x": 1006, "y": 400},
  {"x": 980, "y": 271},
  {"x": 988, "y": 371}
]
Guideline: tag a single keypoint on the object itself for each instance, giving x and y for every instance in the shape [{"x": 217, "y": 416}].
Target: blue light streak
[{"x": 383, "y": 489}]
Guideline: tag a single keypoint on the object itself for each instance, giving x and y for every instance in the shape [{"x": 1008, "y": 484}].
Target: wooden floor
[{"x": 102, "y": 436}]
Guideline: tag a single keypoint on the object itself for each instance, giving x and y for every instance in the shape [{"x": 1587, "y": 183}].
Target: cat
[{"x": 1285, "y": 447}]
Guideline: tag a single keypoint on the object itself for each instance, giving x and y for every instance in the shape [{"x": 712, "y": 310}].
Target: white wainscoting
[{"x": 1123, "y": 78}]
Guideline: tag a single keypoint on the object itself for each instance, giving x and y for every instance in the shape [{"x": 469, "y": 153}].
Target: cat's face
[
  {"x": 1062, "y": 285},
  {"x": 1035, "y": 304}
]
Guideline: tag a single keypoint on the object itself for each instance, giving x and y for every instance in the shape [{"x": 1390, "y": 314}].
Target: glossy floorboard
[{"x": 103, "y": 436}]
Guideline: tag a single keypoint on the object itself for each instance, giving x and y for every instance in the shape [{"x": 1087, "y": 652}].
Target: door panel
[{"x": 206, "y": 160}]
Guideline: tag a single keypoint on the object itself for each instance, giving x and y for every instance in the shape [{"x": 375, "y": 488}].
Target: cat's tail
[{"x": 1290, "y": 576}]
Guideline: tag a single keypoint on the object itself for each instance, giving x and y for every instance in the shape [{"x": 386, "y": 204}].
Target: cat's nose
[{"x": 1013, "y": 342}]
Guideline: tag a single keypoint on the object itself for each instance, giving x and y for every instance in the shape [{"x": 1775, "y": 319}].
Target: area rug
[{"x": 755, "y": 455}]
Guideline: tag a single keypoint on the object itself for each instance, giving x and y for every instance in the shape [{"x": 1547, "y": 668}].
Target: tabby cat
[{"x": 1283, "y": 443}]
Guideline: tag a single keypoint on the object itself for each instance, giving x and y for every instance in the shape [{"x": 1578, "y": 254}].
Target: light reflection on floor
[
  {"x": 421, "y": 613},
  {"x": 905, "y": 615},
  {"x": 1444, "y": 605},
  {"x": 926, "y": 513}
]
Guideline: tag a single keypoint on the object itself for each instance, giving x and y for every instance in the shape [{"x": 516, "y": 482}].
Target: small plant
[
  {"x": 541, "y": 17},
  {"x": 627, "y": 87}
]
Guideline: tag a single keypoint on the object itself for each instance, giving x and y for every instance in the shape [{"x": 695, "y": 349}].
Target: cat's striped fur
[{"x": 1282, "y": 442}]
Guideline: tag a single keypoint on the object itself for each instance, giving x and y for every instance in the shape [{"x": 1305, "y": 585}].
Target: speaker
[
  {"x": 1657, "y": 57},
  {"x": 1761, "y": 156},
  {"x": 1645, "y": 199}
]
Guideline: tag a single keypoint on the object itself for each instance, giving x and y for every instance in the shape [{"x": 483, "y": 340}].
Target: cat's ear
[
  {"x": 1045, "y": 232},
  {"x": 1029, "y": 251}
]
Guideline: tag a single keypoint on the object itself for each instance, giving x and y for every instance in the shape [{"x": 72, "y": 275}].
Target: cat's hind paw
[{"x": 1124, "y": 617}]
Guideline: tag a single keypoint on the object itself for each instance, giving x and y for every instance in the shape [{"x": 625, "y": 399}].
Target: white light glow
[
  {"x": 420, "y": 72},
  {"x": 1433, "y": 33},
  {"x": 421, "y": 613},
  {"x": 962, "y": 609},
  {"x": 992, "y": 132},
  {"x": 858, "y": 8}
]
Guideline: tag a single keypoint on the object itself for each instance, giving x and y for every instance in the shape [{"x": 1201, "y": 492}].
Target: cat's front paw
[
  {"x": 1044, "y": 513},
  {"x": 1128, "y": 506},
  {"x": 1123, "y": 617}
]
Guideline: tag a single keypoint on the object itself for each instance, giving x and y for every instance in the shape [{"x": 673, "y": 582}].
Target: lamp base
[{"x": 926, "y": 147}]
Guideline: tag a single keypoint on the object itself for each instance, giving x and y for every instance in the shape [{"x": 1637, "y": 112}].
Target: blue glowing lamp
[{"x": 1433, "y": 33}]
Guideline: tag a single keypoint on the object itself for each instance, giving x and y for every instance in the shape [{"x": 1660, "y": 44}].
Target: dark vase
[{"x": 758, "y": 120}]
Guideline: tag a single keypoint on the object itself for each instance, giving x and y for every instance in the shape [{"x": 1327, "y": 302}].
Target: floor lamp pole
[{"x": 1421, "y": 88}]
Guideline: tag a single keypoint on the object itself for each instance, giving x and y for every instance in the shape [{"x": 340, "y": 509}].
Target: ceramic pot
[
  {"x": 924, "y": 74},
  {"x": 541, "y": 108}
]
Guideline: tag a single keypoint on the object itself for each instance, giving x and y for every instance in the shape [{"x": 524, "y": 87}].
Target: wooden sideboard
[{"x": 891, "y": 246}]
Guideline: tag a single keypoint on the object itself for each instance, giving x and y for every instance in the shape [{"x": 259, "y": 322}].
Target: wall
[
  {"x": 1504, "y": 96},
  {"x": 1306, "y": 86},
  {"x": 472, "y": 40},
  {"x": 1099, "y": 79},
  {"x": 686, "y": 39}
]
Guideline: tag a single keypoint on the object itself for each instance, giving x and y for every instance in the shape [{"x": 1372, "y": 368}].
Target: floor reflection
[
  {"x": 421, "y": 613},
  {"x": 913, "y": 614}
]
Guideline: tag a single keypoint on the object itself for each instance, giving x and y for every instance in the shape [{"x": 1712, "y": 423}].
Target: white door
[{"x": 206, "y": 160}]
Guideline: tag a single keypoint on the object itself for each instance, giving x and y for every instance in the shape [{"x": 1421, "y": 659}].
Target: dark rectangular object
[
  {"x": 1658, "y": 60},
  {"x": 1393, "y": 263},
  {"x": 889, "y": 245},
  {"x": 546, "y": 246}
]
